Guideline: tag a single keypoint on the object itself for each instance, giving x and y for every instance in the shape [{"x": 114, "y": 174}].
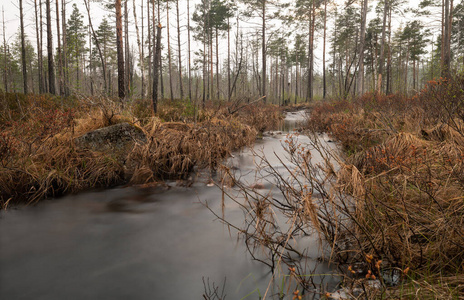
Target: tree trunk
[
  {"x": 120, "y": 52},
  {"x": 296, "y": 77},
  {"x": 189, "y": 58},
  {"x": 389, "y": 79},
  {"x": 139, "y": 44},
  {"x": 228, "y": 60},
  {"x": 443, "y": 34},
  {"x": 181, "y": 87},
  {"x": 58, "y": 54},
  {"x": 39, "y": 50},
  {"x": 324, "y": 77},
  {"x": 65, "y": 49},
  {"x": 447, "y": 38},
  {"x": 97, "y": 43},
  {"x": 263, "y": 94},
  {"x": 406, "y": 71},
  {"x": 91, "y": 68},
  {"x": 312, "y": 22},
  {"x": 126, "y": 51},
  {"x": 44, "y": 83},
  {"x": 78, "y": 79},
  {"x": 156, "y": 67},
  {"x": 51, "y": 65},
  {"x": 204, "y": 73},
  {"x": 23, "y": 48},
  {"x": 217, "y": 64},
  {"x": 160, "y": 56},
  {"x": 211, "y": 62},
  {"x": 382, "y": 47},
  {"x": 5, "y": 65},
  {"x": 362, "y": 38},
  {"x": 150, "y": 49},
  {"x": 171, "y": 96}
]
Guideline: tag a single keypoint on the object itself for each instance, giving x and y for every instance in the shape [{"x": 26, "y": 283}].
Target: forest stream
[{"x": 138, "y": 242}]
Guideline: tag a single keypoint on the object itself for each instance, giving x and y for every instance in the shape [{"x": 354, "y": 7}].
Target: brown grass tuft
[{"x": 38, "y": 158}]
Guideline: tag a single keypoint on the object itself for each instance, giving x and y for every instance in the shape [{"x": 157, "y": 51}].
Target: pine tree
[{"x": 76, "y": 33}]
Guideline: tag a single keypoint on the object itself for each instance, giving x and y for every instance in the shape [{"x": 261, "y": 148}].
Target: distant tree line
[{"x": 278, "y": 51}]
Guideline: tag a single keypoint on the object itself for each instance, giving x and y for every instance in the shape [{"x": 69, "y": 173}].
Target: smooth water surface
[{"x": 133, "y": 242}]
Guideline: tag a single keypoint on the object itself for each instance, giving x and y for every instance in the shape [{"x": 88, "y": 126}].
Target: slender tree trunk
[
  {"x": 156, "y": 67},
  {"x": 23, "y": 48},
  {"x": 312, "y": 24},
  {"x": 264, "y": 50},
  {"x": 406, "y": 71},
  {"x": 447, "y": 38},
  {"x": 160, "y": 56},
  {"x": 296, "y": 77},
  {"x": 126, "y": 51},
  {"x": 389, "y": 79},
  {"x": 382, "y": 47},
  {"x": 443, "y": 34},
  {"x": 189, "y": 58},
  {"x": 234, "y": 89},
  {"x": 5, "y": 64},
  {"x": 143, "y": 54},
  {"x": 58, "y": 54},
  {"x": 51, "y": 65},
  {"x": 181, "y": 87},
  {"x": 277, "y": 81},
  {"x": 169, "y": 52},
  {"x": 150, "y": 49},
  {"x": 139, "y": 45},
  {"x": 78, "y": 78},
  {"x": 91, "y": 68},
  {"x": 228, "y": 60},
  {"x": 204, "y": 73},
  {"x": 362, "y": 38},
  {"x": 211, "y": 62},
  {"x": 120, "y": 52},
  {"x": 44, "y": 83},
  {"x": 334, "y": 62},
  {"x": 217, "y": 64},
  {"x": 97, "y": 43},
  {"x": 65, "y": 49},
  {"x": 39, "y": 51},
  {"x": 324, "y": 76}
]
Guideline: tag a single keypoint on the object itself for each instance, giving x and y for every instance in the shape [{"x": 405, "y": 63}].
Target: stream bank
[{"x": 146, "y": 242}]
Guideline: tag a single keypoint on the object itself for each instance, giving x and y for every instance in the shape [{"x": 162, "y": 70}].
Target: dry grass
[
  {"x": 38, "y": 158},
  {"x": 394, "y": 205},
  {"x": 404, "y": 170}
]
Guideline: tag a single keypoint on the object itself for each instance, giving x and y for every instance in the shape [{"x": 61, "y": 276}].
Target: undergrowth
[
  {"x": 39, "y": 157},
  {"x": 404, "y": 170},
  {"x": 388, "y": 207}
]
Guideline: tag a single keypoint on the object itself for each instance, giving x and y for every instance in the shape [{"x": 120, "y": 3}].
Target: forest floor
[
  {"x": 403, "y": 166},
  {"x": 39, "y": 157}
]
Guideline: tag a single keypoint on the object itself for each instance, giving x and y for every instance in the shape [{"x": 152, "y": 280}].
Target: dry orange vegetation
[
  {"x": 39, "y": 158},
  {"x": 404, "y": 170},
  {"x": 387, "y": 205}
]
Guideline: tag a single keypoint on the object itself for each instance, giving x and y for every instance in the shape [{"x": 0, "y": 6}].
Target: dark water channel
[{"x": 133, "y": 243}]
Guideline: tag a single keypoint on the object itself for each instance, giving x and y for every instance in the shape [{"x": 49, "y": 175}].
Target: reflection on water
[{"x": 132, "y": 243}]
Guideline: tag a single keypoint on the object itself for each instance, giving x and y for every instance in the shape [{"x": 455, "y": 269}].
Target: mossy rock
[{"x": 112, "y": 138}]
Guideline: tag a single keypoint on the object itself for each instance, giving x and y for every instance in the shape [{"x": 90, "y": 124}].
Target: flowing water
[{"x": 136, "y": 242}]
